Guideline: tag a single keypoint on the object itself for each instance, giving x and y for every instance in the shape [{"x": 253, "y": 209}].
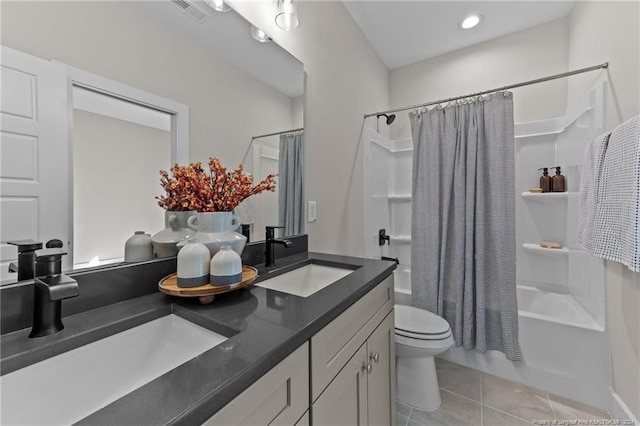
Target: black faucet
[
  {"x": 26, "y": 266},
  {"x": 269, "y": 255},
  {"x": 51, "y": 286}
]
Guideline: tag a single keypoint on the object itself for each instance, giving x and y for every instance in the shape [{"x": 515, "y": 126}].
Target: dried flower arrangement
[{"x": 219, "y": 190}]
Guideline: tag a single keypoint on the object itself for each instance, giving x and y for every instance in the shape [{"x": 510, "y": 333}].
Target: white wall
[
  {"x": 528, "y": 54},
  {"x": 600, "y": 32},
  {"x": 117, "y": 41},
  {"x": 345, "y": 80}
]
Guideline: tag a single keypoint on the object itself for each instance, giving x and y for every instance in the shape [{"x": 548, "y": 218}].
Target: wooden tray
[{"x": 206, "y": 293}]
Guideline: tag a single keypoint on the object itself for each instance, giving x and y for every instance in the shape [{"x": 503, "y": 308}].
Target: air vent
[{"x": 190, "y": 9}]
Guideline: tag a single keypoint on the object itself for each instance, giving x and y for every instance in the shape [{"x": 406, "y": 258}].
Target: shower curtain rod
[
  {"x": 484, "y": 92},
  {"x": 278, "y": 133}
]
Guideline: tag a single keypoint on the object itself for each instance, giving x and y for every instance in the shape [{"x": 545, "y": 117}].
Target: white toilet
[{"x": 420, "y": 335}]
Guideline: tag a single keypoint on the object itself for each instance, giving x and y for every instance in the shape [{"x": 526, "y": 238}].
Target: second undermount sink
[
  {"x": 306, "y": 280},
  {"x": 70, "y": 386}
]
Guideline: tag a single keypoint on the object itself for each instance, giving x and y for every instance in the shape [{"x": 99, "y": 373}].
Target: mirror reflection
[{"x": 231, "y": 86}]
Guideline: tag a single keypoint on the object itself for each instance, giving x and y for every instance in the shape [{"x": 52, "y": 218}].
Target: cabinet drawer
[
  {"x": 335, "y": 344},
  {"x": 280, "y": 397}
]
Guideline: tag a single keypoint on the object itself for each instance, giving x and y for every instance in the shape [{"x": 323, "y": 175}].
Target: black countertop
[{"x": 263, "y": 327}]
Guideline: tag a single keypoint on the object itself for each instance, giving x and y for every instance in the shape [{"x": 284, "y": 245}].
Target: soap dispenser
[
  {"x": 558, "y": 181},
  {"x": 545, "y": 180}
]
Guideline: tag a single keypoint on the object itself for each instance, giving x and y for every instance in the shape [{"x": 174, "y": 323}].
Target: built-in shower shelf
[
  {"x": 535, "y": 248},
  {"x": 546, "y": 197},
  {"x": 399, "y": 198}
]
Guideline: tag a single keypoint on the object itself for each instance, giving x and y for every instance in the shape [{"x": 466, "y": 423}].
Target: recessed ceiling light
[{"x": 471, "y": 21}]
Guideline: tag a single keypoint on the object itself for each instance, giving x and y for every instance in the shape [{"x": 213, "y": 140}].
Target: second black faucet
[{"x": 270, "y": 241}]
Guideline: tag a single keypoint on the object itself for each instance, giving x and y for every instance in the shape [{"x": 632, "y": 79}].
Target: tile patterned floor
[{"x": 470, "y": 397}]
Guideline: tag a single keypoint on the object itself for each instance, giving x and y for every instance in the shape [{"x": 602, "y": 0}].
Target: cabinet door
[
  {"x": 344, "y": 401},
  {"x": 382, "y": 380},
  {"x": 280, "y": 397},
  {"x": 335, "y": 344}
]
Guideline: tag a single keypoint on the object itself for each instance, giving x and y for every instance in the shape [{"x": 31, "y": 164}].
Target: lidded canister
[
  {"x": 193, "y": 264},
  {"x": 138, "y": 247}
]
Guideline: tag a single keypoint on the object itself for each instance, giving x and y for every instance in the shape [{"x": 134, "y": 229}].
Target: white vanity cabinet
[
  {"x": 347, "y": 369},
  {"x": 280, "y": 397},
  {"x": 353, "y": 364}
]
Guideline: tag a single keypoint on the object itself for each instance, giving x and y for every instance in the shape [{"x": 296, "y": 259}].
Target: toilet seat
[{"x": 419, "y": 324}]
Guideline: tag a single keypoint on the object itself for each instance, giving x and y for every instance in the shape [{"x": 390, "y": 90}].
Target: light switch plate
[{"x": 312, "y": 213}]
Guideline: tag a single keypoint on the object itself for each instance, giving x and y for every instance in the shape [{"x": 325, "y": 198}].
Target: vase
[
  {"x": 193, "y": 264},
  {"x": 225, "y": 267},
  {"x": 217, "y": 229},
  {"x": 176, "y": 230},
  {"x": 138, "y": 247}
]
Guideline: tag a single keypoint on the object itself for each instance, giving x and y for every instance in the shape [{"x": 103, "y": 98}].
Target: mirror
[{"x": 234, "y": 87}]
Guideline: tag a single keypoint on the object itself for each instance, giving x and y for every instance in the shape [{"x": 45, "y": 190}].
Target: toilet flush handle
[{"x": 375, "y": 357}]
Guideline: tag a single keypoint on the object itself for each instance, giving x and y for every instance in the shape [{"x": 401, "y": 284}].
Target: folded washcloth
[{"x": 608, "y": 224}]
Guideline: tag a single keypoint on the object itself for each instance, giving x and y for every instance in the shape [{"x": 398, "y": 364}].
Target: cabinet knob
[
  {"x": 375, "y": 357},
  {"x": 368, "y": 367}
]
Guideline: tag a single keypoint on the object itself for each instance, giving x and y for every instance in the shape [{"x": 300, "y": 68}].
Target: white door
[{"x": 34, "y": 154}]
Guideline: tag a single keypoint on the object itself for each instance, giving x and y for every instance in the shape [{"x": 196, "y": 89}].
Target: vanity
[{"x": 279, "y": 358}]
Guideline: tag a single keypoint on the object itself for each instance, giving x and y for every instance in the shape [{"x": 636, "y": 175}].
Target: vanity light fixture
[
  {"x": 218, "y": 5},
  {"x": 287, "y": 18},
  {"x": 259, "y": 35},
  {"x": 471, "y": 21}
]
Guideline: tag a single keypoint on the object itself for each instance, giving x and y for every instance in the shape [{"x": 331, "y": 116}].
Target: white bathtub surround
[
  {"x": 463, "y": 221},
  {"x": 561, "y": 293}
]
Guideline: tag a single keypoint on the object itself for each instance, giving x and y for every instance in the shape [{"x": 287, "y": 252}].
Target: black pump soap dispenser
[
  {"x": 545, "y": 180},
  {"x": 558, "y": 181}
]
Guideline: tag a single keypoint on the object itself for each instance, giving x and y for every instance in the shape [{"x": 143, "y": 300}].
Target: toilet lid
[{"x": 412, "y": 320}]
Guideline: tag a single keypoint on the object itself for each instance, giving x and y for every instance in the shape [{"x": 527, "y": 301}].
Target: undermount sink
[
  {"x": 306, "y": 280},
  {"x": 70, "y": 386}
]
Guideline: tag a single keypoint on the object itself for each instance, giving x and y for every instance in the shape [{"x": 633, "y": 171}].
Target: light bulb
[
  {"x": 218, "y": 5},
  {"x": 287, "y": 19},
  {"x": 259, "y": 35},
  {"x": 471, "y": 21}
]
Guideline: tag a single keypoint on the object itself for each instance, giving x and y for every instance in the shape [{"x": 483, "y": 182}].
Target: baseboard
[{"x": 619, "y": 409}]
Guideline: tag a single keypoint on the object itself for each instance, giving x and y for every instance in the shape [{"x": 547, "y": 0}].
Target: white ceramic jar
[
  {"x": 193, "y": 264},
  {"x": 226, "y": 267},
  {"x": 138, "y": 247}
]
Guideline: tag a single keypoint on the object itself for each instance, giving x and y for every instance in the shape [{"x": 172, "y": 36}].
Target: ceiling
[
  {"x": 405, "y": 32},
  {"x": 401, "y": 32},
  {"x": 228, "y": 36}
]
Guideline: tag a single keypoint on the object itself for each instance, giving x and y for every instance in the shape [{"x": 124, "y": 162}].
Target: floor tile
[
  {"x": 402, "y": 409},
  {"x": 566, "y": 409},
  {"x": 515, "y": 399},
  {"x": 458, "y": 379},
  {"x": 401, "y": 420},
  {"x": 454, "y": 411},
  {"x": 491, "y": 417}
]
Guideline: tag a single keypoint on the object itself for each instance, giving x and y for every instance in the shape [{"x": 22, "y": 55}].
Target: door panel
[{"x": 34, "y": 143}]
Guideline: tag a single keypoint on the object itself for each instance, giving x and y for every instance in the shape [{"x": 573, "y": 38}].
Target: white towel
[{"x": 608, "y": 224}]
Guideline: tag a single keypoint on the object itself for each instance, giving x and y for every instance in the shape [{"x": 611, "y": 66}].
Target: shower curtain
[
  {"x": 463, "y": 264},
  {"x": 291, "y": 184}
]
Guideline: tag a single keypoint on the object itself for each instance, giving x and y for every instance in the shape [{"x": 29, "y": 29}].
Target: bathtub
[{"x": 563, "y": 347}]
